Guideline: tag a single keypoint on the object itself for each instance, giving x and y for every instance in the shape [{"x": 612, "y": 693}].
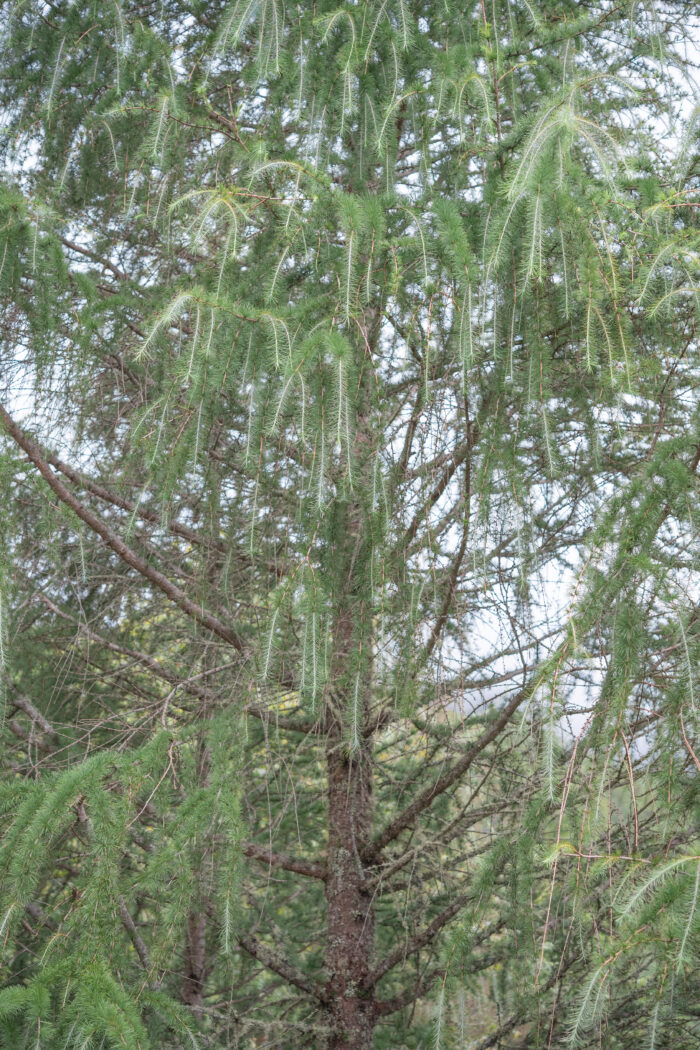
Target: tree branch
[
  {"x": 458, "y": 456},
  {"x": 187, "y": 685},
  {"x": 428, "y": 796},
  {"x": 422, "y": 985},
  {"x": 191, "y": 535},
  {"x": 272, "y": 961},
  {"x": 29, "y": 737},
  {"x": 449, "y": 594},
  {"x": 134, "y": 935},
  {"x": 423, "y": 937},
  {"x": 283, "y": 860},
  {"x": 495, "y": 1038},
  {"x": 25, "y": 705},
  {"x": 114, "y": 542},
  {"x": 96, "y": 258}
]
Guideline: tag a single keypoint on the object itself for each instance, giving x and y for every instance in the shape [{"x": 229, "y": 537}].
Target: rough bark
[
  {"x": 350, "y": 917},
  {"x": 196, "y": 964},
  {"x": 350, "y": 921}
]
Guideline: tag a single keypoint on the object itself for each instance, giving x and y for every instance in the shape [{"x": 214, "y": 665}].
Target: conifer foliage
[{"x": 349, "y": 569}]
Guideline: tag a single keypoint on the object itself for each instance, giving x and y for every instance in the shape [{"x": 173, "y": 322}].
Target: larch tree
[{"x": 349, "y": 578}]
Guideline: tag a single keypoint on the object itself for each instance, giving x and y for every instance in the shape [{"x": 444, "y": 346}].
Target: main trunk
[
  {"x": 350, "y": 911},
  {"x": 350, "y": 917},
  {"x": 196, "y": 962}
]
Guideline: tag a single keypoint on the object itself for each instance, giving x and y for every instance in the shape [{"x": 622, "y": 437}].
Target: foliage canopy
[{"x": 349, "y": 571}]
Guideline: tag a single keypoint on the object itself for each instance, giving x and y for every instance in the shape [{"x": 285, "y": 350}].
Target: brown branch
[
  {"x": 428, "y": 796},
  {"x": 458, "y": 826},
  {"x": 452, "y": 584},
  {"x": 114, "y": 542},
  {"x": 423, "y": 937},
  {"x": 23, "y": 704},
  {"x": 283, "y": 860},
  {"x": 458, "y": 456},
  {"x": 191, "y": 535},
  {"x": 410, "y": 432},
  {"x": 495, "y": 1038},
  {"x": 274, "y": 962},
  {"x": 96, "y": 258},
  {"x": 449, "y": 594},
  {"x": 134, "y": 935},
  {"x": 398, "y": 1002},
  {"x": 424, "y": 983},
  {"x": 29, "y": 737},
  {"x": 187, "y": 685}
]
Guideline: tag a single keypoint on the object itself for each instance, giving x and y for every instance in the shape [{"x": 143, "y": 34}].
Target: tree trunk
[
  {"x": 195, "y": 956},
  {"x": 350, "y": 909},
  {"x": 197, "y": 964},
  {"x": 195, "y": 970},
  {"x": 350, "y": 917}
]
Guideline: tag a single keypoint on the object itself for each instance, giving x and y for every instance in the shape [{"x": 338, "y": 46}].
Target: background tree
[{"x": 350, "y": 568}]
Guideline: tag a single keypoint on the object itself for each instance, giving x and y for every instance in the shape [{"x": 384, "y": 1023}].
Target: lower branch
[
  {"x": 283, "y": 860},
  {"x": 113, "y": 541},
  {"x": 423, "y": 937},
  {"x": 406, "y": 818},
  {"x": 271, "y": 960}
]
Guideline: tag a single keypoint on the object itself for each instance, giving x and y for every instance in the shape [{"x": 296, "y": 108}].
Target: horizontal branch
[
  {"x": 113, "y": 541},
  {"x": 283, "y": 860}
]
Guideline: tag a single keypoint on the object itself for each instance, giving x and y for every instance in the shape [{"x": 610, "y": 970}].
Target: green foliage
[{"x": 359, "y": 344}]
